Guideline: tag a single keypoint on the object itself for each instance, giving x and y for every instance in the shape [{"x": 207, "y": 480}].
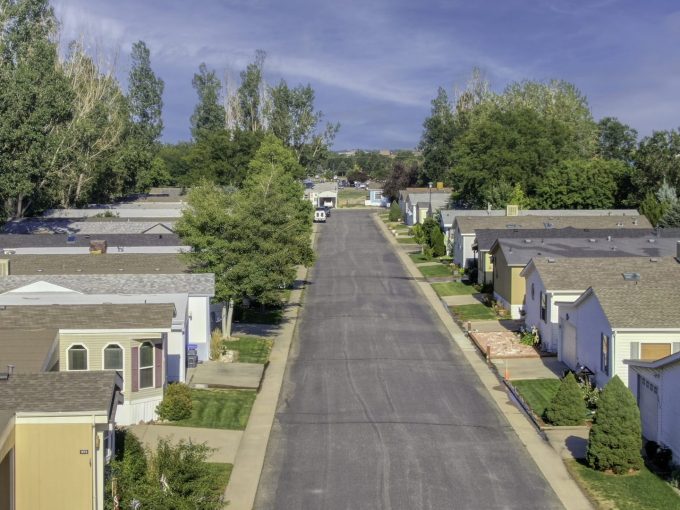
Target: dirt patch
[{"x": 502, "y": 344}]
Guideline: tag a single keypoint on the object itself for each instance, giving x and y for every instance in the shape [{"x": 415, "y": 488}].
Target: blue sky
[{"x": 376, "y": 64}]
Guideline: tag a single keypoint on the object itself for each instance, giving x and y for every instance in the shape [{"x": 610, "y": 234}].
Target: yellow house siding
[
  {"x": 517, "y": 286},
  {"x": 95, "y": 344},
  {"x": 50, "y": 471},
  {"x": 502, "y": 281}
]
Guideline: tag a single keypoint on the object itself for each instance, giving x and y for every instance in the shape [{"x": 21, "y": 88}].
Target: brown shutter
[
  {"x": 158, "y": 350},
  {"x": 135, "y": 369}
]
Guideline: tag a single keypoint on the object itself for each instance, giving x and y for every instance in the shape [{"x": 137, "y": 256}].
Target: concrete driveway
[{"x": 379, "y": 410}]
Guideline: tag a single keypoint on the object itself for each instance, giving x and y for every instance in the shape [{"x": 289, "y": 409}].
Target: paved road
[{"x": 378, "y": 409}]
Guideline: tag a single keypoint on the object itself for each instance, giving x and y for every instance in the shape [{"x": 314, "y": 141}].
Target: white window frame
[
  {"x": 153, "y": 365},
  {"x": 122, "y": 368},
  {"x": 87, "y": 358}
]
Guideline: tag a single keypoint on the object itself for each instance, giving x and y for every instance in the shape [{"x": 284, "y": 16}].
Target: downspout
[{"x": 95, "y": 485}]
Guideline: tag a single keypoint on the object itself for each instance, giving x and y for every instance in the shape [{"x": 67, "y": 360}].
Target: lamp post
[{"x": 429, "y": 209}]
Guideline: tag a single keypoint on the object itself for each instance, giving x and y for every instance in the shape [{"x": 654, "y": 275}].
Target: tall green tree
[
  {"x": 656, "y": 161},
  {"x": 567, "y": 406},
  {"x": 294, "y": 120},
  {"x": 209, "y": 114},
  {"x": 615, "y": 140},
  {"x": 251, "y": 239},
  {"x": 35, "y": 100},
  {"x": 437, "y": 139},
  {"x": 145, "y": 95},
  {"x": 252, "y": 104},
  {"x": 580, "y": 184}
]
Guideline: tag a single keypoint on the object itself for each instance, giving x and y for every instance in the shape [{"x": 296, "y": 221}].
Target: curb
[
  {"x": 548, "y": 461},
  {"x": 245, "y": 478}
]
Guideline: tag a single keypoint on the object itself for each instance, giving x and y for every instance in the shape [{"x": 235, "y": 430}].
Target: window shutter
[
  {"x": 676, "y": 347},
  {"x": 635, "y": 350},
  {"x": 135, "y": 368},
  {"x": 158, "y": 349}
]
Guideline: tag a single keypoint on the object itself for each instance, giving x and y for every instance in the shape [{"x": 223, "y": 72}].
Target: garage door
[
  {"x": 648, "y": 396},
  {"x": 569, "y": 346}
]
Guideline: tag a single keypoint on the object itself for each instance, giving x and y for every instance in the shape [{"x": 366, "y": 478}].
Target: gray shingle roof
[
  {"x": 58, "y": 392},
  {"x": 26, "y": 349},
  {"x": 518, "y": 252},
  {"x": 92, "y": 226},
  {"x": 61, "y": 240},
  {"x": 468, "y": 224},
  {"x": 484, "y": 238},
  {"x": 110, "y": 263},
  {"x": 107, "y": 316},
  {"x": 580, "y": 273},
  {"x": 630, "y": 305},
  {"x": 192, "y": 284}
]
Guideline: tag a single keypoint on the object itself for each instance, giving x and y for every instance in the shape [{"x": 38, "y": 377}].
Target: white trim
[
  {"x": 87, "y": 357},
  {"x": 62, "y": 418},
  {"x": 122, "y": 369}
]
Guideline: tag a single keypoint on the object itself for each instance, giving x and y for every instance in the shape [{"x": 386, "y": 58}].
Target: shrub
[
  {"x": 591, "y": 394},
  {"x": 437, "y": 242},
  {"x": 173, "y": 476},
  {"x": 567, "y": 406},
  {"x": 615, "y": 439},
  {"x": 395, "y": 211},
  {"x": 176, "y": 404},
  {"x": 216, "y": 344}
]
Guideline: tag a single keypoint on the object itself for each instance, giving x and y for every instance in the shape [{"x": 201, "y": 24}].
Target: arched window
[
  {"x": 113, "y": 357},
  {"x": 77, "y": 357},
  {"x": 146, "y": 365}
]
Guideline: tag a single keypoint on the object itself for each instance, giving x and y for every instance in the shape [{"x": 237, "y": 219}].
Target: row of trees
[
  {"x": 229, "y": 124},
  {"x": 69, "y": 133},
  {"x": 542, "y": 138}
]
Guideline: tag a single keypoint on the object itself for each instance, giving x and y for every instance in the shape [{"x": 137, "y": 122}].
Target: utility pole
[{"x": 429, "y": 210}]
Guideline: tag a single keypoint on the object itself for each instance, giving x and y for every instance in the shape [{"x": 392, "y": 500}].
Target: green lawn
[
  {"x": 478, "y": 312},
  {"x": 641, "y": 491},
  {"x": 453, "y": 289},
  {"x": 419, "y": 258},
  {"x": 221, "y": 474},
  {"x": 434, "y": 271},
  {"x": 219, "y": 409},
  {"x": 251, "y": 349},
  {"x": 406, "y": 240},
  {"x": 537, "y": 393}
]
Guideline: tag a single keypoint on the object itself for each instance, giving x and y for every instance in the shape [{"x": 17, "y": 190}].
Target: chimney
[{"x": 97, "y": 247}]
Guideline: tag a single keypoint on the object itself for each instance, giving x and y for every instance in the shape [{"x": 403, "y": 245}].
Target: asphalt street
[{"x": 379, "y": 410}]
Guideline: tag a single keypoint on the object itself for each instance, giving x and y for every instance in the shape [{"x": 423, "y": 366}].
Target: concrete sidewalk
[
  {"x": 225, "y": 442},
  {"x": 217, "y": 374},
  {"x": 245, "y": 477},
  {"x": 547, "y": 459}
]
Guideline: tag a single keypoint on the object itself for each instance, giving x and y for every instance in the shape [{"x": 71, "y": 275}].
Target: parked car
[
  {"x": 327, "y": 210},
  {"x": 320, "y": 216}
]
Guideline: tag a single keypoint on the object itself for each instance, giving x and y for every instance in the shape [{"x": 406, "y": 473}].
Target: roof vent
[
  {"x": 631, "y": 277},
  {"x": 551, "y": 260}
]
